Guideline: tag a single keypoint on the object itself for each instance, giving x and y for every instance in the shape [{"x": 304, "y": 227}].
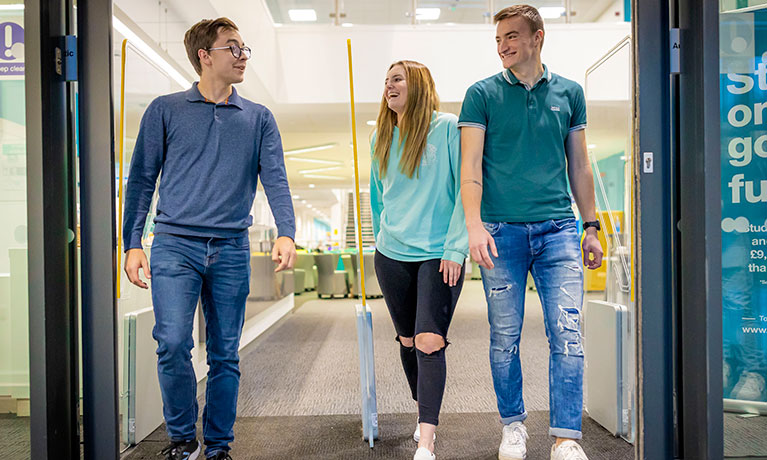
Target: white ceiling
[{"x": 303, "y": 125}]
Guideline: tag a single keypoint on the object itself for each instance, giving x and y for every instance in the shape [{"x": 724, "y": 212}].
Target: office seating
[{"x": 331, "y": 282}]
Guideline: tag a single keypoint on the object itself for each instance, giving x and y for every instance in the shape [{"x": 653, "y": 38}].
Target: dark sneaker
[
  {"x": 182, "y": 450},
  {"x": 220, "y": 455}
]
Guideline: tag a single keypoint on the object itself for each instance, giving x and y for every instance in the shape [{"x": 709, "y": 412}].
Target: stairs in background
[{"x": 368, "y": 238}]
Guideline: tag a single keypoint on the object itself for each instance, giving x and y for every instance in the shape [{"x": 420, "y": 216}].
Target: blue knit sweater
[{"x": 210, "y": 156}]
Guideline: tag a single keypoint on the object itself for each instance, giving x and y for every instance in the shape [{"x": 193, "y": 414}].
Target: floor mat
[{"x": 464, "y": 436}]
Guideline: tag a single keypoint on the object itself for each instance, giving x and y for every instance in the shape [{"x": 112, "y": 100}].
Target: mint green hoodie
[{"x": 421, "y": 218}]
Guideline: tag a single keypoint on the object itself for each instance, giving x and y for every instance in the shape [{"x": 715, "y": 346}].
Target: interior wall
[{"x": 312, "y": 61}]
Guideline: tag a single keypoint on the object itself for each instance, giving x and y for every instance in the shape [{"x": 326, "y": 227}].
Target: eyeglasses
[{"x": 236, "y": 50}]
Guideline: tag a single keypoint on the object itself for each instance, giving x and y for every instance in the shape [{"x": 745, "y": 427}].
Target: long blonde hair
[{"x": 422, "y": 101}]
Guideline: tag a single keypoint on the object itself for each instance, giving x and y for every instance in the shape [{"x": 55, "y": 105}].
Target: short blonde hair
[{"x": 529, "y": 13}]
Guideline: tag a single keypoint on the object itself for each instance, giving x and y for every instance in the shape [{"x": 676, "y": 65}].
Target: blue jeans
[
  {"x": 551, "y": 251},
  {"x": 217, "y": 271}
]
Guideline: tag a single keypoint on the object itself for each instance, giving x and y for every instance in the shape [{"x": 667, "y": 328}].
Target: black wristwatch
[{"x": 594, "y": 224}]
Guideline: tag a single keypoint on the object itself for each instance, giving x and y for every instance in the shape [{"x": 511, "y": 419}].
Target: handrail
[{"x": 610, "y": 53}]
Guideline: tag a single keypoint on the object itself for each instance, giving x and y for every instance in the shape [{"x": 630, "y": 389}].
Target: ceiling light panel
[
  {"x": 314, "y": 148},
  {"x": 322, "y": 176},
  {"x": 316, "y": 161},
  {"x": 427, "y": 14},
  {"x": 551, "y": 12},
  {"x": 303, "y": 15},
  {"x": 312, "y": 171}
]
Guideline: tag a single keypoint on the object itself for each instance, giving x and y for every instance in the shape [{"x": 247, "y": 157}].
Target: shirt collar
[
  {"x": 509, "y": 76},
  {"x": 193, "y": 95}
]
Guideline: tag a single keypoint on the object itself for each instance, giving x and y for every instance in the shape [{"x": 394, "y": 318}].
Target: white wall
[
  {"x": 312, "y": 61},
  {"x": 609, "y": 14}
]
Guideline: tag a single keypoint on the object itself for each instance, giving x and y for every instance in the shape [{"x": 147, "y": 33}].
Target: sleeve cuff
[
  {"x": 469, "y": 124},
  {"x": 578, "y": 127},
  {"x": 454, "y": 256},
  {"x": 289, "y": 232},
  {"x": 132, "y": 243}
]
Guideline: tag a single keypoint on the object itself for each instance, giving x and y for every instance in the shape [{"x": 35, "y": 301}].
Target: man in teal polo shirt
[{"x": 522, "y": 137}]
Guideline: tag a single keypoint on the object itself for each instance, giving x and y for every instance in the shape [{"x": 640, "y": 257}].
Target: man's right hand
[
  {"x": 479, "y": 240},
  {"x": 135, "y": 259}
]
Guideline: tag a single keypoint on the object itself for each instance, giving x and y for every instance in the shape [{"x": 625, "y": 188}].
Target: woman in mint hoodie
[{"x": 421, "y": 239}]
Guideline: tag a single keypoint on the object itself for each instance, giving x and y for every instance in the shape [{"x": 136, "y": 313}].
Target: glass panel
[
  {"x": 609, "y": 110},
  {"x": 732, "y": 5},
  {"x": 597, "y": 11},
  {"x": 464, "y": 12},
  {"x": 743, "y": 90},
  {"x": 143, "y": 82},
  {"x": 376, "y": 12},
  {"x": 302, "y": 11},
  {"x": 552, "y": 11},
  {"x": 14, "y": 317}
]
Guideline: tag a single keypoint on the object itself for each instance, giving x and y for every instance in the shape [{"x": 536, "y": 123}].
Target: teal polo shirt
[{"x": 524, "y": 164}]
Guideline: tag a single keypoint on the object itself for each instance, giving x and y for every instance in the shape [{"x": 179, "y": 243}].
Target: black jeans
[{"x": 419, "y": 301}]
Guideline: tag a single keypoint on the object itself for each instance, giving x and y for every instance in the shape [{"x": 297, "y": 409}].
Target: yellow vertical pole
[
  {"x": 356, "y": 179},
  {"x": 120, "y": 177}
]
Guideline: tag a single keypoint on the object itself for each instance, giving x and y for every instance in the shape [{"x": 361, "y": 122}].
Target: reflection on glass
[
  {"x": 376, "y": 12},
  {"x": 143, "y": 82},
  {"x": 463, "y": 12},
  {"x": 14, "y": 305},
  {"x": 552, "y": 11},
  {"x": 732, "y": 5},
  {"x": 302, "y": 12},
  {"x": 610, "y": 288},
  {"x": 743, "y": 93}
]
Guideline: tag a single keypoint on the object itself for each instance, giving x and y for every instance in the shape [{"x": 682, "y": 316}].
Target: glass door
[
  {"x": 14, "y": 302},
  {"x": 743, "y": 97}
]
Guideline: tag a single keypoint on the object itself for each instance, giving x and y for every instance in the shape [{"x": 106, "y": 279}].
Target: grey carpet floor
[
  {"x": 14, "y": 437},
  {"x": 745, "y": 436},
  {"x": 308, "y": 365},
  {"x": 466, "y": 436}
]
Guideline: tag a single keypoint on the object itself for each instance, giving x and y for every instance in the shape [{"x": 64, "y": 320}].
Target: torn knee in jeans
[
  {"x": 569, "y": 319},
  {"x": 406, "y": 342},
  {"x": 500, "y": 290},
  {"x": 428, "y": 342}
]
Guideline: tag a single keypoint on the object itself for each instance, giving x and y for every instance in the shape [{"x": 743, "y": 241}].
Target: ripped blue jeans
[{"x": 550, "y": 250}]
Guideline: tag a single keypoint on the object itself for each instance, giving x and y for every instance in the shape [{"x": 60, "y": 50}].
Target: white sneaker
[
  {"x": 514, "y": 443},
  {"x": 423, "y": 454},
  {"x": 417, "y": 433},
  {"x": 750, "y": 387},
  {"x": 568, "y": 450}
]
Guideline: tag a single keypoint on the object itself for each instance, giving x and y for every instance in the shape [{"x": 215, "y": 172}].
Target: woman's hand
[{"x": 451, "y": 272}]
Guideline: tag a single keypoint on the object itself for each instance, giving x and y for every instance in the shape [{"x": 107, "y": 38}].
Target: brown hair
[
  {"x": 422, "y": 101},
  {"x": 529, "y": 13},
  {"x": 202, "y": 35}
]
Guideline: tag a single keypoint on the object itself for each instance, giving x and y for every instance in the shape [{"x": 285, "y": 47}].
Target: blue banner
[{"x": 743, "y": 107}]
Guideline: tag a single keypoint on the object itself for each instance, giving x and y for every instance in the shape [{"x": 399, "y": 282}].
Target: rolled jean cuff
[
  {"x": 565, "y": 433},
  {"x": 514, "y": 418}
]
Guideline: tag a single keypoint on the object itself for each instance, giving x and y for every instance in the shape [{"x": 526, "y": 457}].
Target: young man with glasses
[
  {"x": 522, "y": 137},
  {"x": 211, "y": 146}
]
